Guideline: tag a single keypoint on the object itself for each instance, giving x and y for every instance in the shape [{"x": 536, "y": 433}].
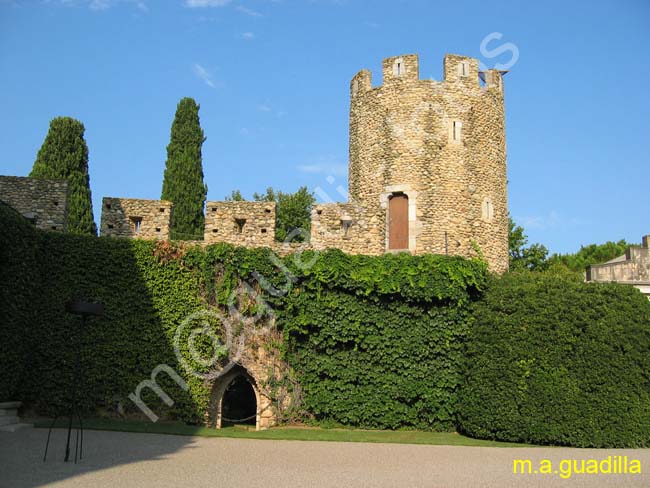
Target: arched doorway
[
  {"x": 235, "y": 399},
  {"x": 239, "y": 403}
]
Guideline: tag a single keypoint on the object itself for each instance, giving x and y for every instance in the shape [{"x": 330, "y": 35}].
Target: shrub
[{"x": 554, "y": 361}]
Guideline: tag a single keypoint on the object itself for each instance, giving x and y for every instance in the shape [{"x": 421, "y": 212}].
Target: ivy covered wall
[{"x": 373, "y": 341}]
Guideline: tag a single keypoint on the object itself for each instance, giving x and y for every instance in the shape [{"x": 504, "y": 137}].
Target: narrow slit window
[
  {"x": 488, "y": 210},
  {"x": 464, "y": 69},
  {"x": 137, "y": 224},
  {"x": 456, "y": 130},
  {"x": 345, "y": 225},
  {"x": 399, "y": 69}
]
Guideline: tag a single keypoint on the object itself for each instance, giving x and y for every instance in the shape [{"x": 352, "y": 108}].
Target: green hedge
[
  {"x": 553, "y": 361},
  {"x": 19, "y": 278}
]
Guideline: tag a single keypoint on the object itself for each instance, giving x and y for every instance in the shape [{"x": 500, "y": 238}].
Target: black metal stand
[
  {"x": 84, "y": 309},
  {"x": 74, "y": 407}
]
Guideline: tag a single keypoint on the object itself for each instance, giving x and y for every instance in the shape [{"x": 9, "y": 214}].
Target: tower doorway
[{"x": 398, "y": 221}]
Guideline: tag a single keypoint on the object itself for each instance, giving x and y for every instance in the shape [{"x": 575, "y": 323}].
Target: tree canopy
[
  {"x": 183, "y": 179},
  {"x": 531, "y": 257},
  {"x": 64, "y": 155}
]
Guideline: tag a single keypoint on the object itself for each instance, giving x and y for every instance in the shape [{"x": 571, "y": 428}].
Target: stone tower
[{"x": 428, "y": 159}]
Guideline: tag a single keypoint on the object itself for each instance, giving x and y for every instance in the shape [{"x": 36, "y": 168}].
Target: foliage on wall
[{"x": 405, "y": 315}]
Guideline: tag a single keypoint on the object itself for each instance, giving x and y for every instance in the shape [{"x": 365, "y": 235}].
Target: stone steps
[
  {"x": 9, "y": 419},
  {"x": 15, "y": 427}
]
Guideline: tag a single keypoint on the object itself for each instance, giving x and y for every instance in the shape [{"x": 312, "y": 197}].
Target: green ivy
[{"x": 373, "y": 341}]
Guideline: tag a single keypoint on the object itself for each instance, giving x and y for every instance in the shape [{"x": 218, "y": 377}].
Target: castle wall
[
  {"x": 442, "y": 144},
  {"x": 43, "y": 202},
  {"x": 250, "y": 224},
  {"x": 343, "y": 226},
  {"x": 439, "y": 146},
  {"x": 136, "y": 218}
]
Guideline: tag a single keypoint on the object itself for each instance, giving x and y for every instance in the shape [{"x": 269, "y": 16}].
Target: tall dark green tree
[
  {"x": 183, "y": 181},
  {"x": 64, "y": 155}
]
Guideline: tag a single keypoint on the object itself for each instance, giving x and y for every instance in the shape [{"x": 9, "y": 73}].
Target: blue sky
[{"x": 272, "y": 80}]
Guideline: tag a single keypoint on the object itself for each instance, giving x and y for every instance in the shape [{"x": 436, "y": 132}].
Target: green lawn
[{"x": 287, "y": 433}]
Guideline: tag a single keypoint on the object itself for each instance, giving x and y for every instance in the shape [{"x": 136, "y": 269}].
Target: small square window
[
  {"x": 263, "y": 231},
  {"x": 162, "y": 209}
]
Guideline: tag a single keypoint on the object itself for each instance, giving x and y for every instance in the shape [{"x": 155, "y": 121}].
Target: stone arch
[{"x": 219, "y": 388}]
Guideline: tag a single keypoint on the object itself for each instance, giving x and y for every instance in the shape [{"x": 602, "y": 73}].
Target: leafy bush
[
  {"x": 554, "y": 361},
  {"x": 18, "y": 274}
]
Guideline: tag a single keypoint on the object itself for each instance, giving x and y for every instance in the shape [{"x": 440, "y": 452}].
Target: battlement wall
[
  {"x": 250, "y": 224},
  {"x": 43, "y": 202},
  {"x": 344, "y": 226},
  {"x": 136, "y": 218}
]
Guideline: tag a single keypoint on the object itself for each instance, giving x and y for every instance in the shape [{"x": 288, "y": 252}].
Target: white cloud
[
  {"x": 204, "y": 75},
  {"x": 248, "y": 11},
  {"x": 324, "y": 168},
  {"x": 248, "y": 36},
  {"x": 264, "y": 107},
  {"x": 100, "y": 5},
  {"x": 544, "y": 222},
  {"x": 206, "y": 3}
]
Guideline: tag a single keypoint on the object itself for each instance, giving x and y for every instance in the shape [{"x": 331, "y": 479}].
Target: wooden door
[{"x": 398, "y": 222}]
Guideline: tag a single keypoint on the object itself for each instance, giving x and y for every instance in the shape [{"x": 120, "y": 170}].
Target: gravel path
[{"x": 124, "y": 460}]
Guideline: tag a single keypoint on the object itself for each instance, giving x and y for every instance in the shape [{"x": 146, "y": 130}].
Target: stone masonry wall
[
  {"x": 343, "y": 226},
  {"x": 44, "y": 202},
  {"x": 131, "y": 217},
  {"x": 250, "y": 224},
  {"x": 440, "y": 143}
]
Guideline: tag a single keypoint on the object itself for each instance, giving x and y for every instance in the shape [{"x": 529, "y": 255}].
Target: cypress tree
[
  {"x": 64, "y": 155},
  {"x": 183, "y": 180}
]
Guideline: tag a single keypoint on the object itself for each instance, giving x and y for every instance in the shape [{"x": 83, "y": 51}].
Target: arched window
[{"x": 398, "y": 67}]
